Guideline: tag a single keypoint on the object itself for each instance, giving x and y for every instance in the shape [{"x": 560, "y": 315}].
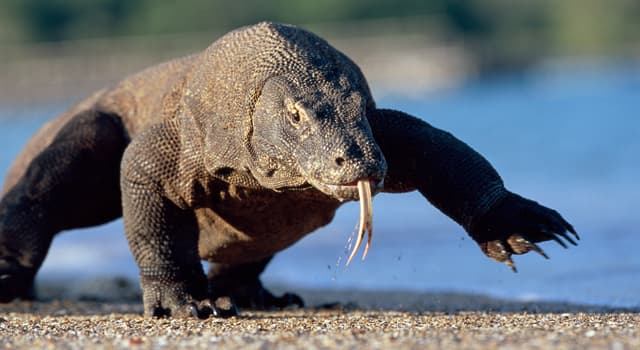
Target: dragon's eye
[
  {"x": 294, "y": 116},
  {"x": 296, "y": 113}
]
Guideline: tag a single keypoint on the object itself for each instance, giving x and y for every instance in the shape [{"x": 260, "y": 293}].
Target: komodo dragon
[{"x": 232, "y": 155}]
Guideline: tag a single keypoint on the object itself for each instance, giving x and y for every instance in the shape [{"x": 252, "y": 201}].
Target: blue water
[{"x": 569, "y": 139}]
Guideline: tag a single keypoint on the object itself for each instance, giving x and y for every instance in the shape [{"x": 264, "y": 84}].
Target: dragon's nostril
[{"x": 340, "y": 161}]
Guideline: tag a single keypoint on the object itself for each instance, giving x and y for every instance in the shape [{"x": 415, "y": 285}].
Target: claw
[
  {"x": 366, "y": 219},
  {"x": 566, "y": 236},
  {"x": 511, "y": 264},
  {"x": 193, "y": 311},
  {"x": 560, "y": 227},
  {"x": 530, "y": 246},
  {"x": 497, "y": 251},
  {"x": 555, "y": 238},
  {"x": 505, "y": 257},
  {"x": 539, "y": 250},
  {"x": 569, "y": 228}
]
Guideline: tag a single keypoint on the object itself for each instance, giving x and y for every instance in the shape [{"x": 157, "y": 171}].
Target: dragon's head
[{"x": 308, "y": 132}]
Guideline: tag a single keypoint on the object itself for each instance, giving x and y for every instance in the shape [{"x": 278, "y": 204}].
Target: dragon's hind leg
[
  {"x": 71, "y": 183},
  {"x": 242, "y": 283}
]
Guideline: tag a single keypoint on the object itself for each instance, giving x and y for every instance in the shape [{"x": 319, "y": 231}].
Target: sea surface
[{"x": 568, "y": 138}]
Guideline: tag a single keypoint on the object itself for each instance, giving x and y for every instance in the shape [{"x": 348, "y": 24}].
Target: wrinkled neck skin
[{"x": 228, "y": 153}]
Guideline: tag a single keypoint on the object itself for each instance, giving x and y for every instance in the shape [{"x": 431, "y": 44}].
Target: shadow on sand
[{"x": 120, "y": 295}]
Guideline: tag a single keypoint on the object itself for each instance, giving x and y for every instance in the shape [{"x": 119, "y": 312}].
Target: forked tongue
[{"x": 366, "y": 219}]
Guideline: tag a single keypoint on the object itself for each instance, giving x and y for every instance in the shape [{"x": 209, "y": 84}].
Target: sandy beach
[{"x": 364, "y": 320}]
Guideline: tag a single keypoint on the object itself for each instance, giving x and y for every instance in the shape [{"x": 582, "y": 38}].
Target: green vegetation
[{"x": 503, "y": 33}]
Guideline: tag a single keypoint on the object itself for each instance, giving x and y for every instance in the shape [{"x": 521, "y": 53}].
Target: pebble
[{"x": 100, "y": 325}]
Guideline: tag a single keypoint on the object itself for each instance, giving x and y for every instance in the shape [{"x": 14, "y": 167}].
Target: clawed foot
[
  {"x": 16, "y": 281},
  {"x": 203, "y": 309},
  {"x": 502, "y": 249},
  {"x": 516, "y": 224},
  {"x": 182, "y": 298},
  {"x": 254, "y": 296}
]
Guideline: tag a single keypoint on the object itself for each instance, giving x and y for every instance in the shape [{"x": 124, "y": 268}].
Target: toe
[
  {"x": 224, "y": 307},
  {"x": 520, "y": 245},
  {"x": 500, "y": 252},
  {"x": 16, "y": 281},
  {"x": 201, "y": 310},
  {"x": 495, "y": 250}
]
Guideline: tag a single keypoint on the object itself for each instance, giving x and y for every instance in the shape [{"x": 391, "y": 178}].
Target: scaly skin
[{"x": 231, "y": 156}]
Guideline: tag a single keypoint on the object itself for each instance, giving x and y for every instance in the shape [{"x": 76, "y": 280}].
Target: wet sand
[{"x": 365, "y": 320}]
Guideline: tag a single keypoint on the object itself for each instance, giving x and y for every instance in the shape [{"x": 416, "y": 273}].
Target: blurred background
[{"x": 548, "y": 91}]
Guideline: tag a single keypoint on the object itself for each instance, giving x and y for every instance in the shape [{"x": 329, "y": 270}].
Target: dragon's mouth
[
  {"x": 349, "y": 191},
  {"x": 364, "y": 189}
]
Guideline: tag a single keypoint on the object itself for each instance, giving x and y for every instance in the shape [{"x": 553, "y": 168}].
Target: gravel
[{"x": 362, "y": 320}]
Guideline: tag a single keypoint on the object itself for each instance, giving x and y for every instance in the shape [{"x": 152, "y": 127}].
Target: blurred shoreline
[
  {"x": 406, "y": 57},
  {"x": 396, "y": 58}
]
